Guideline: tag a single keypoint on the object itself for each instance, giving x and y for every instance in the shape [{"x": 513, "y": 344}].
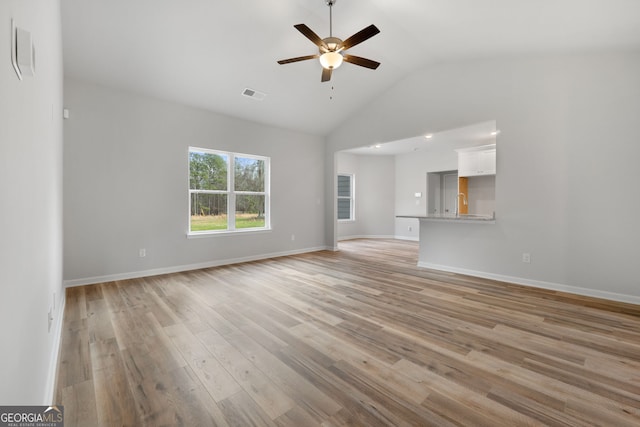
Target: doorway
[
  {"x": 450, "y": 193},
  {"x": 442, "y": 191}
]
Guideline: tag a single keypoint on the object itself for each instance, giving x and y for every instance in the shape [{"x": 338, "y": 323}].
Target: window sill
[
  {"x": 346, "y": 220},
  {"x": 201, "y": 234}
]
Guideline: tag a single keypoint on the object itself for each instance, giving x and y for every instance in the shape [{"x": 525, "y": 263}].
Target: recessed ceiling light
[
  {"x": 429, "y": 136},
  {"x": 377, "y": 146}
]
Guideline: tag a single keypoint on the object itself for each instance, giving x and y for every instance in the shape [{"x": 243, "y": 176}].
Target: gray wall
[
  {"x": 411, "y": 178},
  {"x": 569, "y": 138},
  {"x": 482, "y": 195},
  {"x": 126, "y": 186},
  {"x": 31, "y": 211},
  {"x": 374, "y": 182}
]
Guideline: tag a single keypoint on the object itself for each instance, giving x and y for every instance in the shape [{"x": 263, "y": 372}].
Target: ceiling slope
[{"x": 204, "y": 53}]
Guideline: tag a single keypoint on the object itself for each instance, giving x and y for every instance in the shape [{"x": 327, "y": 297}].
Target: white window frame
[
  {"x": 231, "y": 193},
  {"x": 352, "y": 198}
]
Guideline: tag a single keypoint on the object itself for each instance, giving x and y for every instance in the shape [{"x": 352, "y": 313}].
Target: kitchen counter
[{"x": 464, "y": 218}]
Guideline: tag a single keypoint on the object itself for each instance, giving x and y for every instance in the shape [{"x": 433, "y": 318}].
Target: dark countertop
[{"x": 487, "y": 219}]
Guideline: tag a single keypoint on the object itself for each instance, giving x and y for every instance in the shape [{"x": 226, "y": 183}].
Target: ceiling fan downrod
[{"x": 330, "y": 3}]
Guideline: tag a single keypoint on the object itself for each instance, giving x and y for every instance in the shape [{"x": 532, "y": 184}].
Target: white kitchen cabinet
[{"x": 477, "y": 161}]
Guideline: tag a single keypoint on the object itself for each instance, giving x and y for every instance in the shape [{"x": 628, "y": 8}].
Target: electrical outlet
[
  {"x": 142, "y": 253},
  {"x": 293, "y": 237},
  {"x": 526, "y": 257}
]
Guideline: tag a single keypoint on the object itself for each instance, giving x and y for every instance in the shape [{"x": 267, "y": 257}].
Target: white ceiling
[
  {"x": 445, "y": 141},
  {"x": 204, "y": 53}
]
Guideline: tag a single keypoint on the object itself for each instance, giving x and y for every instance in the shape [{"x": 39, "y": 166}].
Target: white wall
[
  {"x": 374, "y": 191},
  {"x": 31, "y": 211},
  {"x": 569, "y": 138},
  {"x": 126, "y": 186}
]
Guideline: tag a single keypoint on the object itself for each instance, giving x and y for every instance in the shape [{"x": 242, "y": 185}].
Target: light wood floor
[{"x": 360, "y": 337}]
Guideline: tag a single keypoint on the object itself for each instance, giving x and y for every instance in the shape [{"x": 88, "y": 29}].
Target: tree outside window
[{"x": 223, "y": 201}]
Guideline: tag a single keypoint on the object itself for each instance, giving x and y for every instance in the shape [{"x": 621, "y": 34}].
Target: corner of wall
[{"x": 50, "y": 390}]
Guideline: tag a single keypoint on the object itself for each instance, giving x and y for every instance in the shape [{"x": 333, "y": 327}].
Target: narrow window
[{"x": 346, "y": 198}]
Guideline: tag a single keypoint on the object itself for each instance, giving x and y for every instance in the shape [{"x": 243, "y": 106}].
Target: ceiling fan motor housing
[{"x": 332, "y": 44}]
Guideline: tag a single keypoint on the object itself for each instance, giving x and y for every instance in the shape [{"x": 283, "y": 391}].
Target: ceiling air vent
[{"x": 253, "y": 94}]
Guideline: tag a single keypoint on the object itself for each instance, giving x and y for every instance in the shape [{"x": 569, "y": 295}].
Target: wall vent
[{"x": 253, "y": 94}]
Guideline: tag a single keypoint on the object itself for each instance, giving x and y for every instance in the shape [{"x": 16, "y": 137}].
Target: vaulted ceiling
[{"x": 204, "y": 53}]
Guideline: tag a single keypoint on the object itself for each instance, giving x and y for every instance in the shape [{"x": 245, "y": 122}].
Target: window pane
[
  {"x": 207, "y": 171},
  {"x": 344, "y": 186},
  {"x": 250, "y": 211},
  {"x": 208, "y": 212},
  {"x": 249, "y": 174},
  {"x": 344, "y": 208}
]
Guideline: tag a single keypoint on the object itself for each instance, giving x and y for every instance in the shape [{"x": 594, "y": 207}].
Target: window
[
  {"x": 227, "y": 192},
  {"x": 345, "y": 198}
]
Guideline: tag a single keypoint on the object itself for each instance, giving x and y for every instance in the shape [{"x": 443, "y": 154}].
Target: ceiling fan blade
[
  {"x": 308, "y": 33},
  {"x": 326, "y": 74},
  {"x": 296, "y": 59},
  {"x": 359, "y": 37},
  {"x": 363, "y": 62}
]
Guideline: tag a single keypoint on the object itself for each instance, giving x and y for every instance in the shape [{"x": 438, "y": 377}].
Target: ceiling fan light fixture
[
  {"x": 331, "y": 48},
  {"x": 331, "y": 60}
]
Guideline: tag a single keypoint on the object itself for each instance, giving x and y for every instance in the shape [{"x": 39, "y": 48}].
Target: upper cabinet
[{"x": 476, "y": 161}]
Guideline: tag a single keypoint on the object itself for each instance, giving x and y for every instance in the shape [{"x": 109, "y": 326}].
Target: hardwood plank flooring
[{"x": 359, "y": 337}]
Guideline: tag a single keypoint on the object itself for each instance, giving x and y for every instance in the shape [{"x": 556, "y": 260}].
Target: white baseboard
[
  {"x": 363, "y": 236},
  {"x": 180, "y": 268},
  {"x": 631, "y": 299},
  {"x": 55, "y": 353},
  {"x": 409, "y": 238}
]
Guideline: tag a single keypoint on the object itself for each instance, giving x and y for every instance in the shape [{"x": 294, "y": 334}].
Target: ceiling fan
[{"x": 331, "y": 49}]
